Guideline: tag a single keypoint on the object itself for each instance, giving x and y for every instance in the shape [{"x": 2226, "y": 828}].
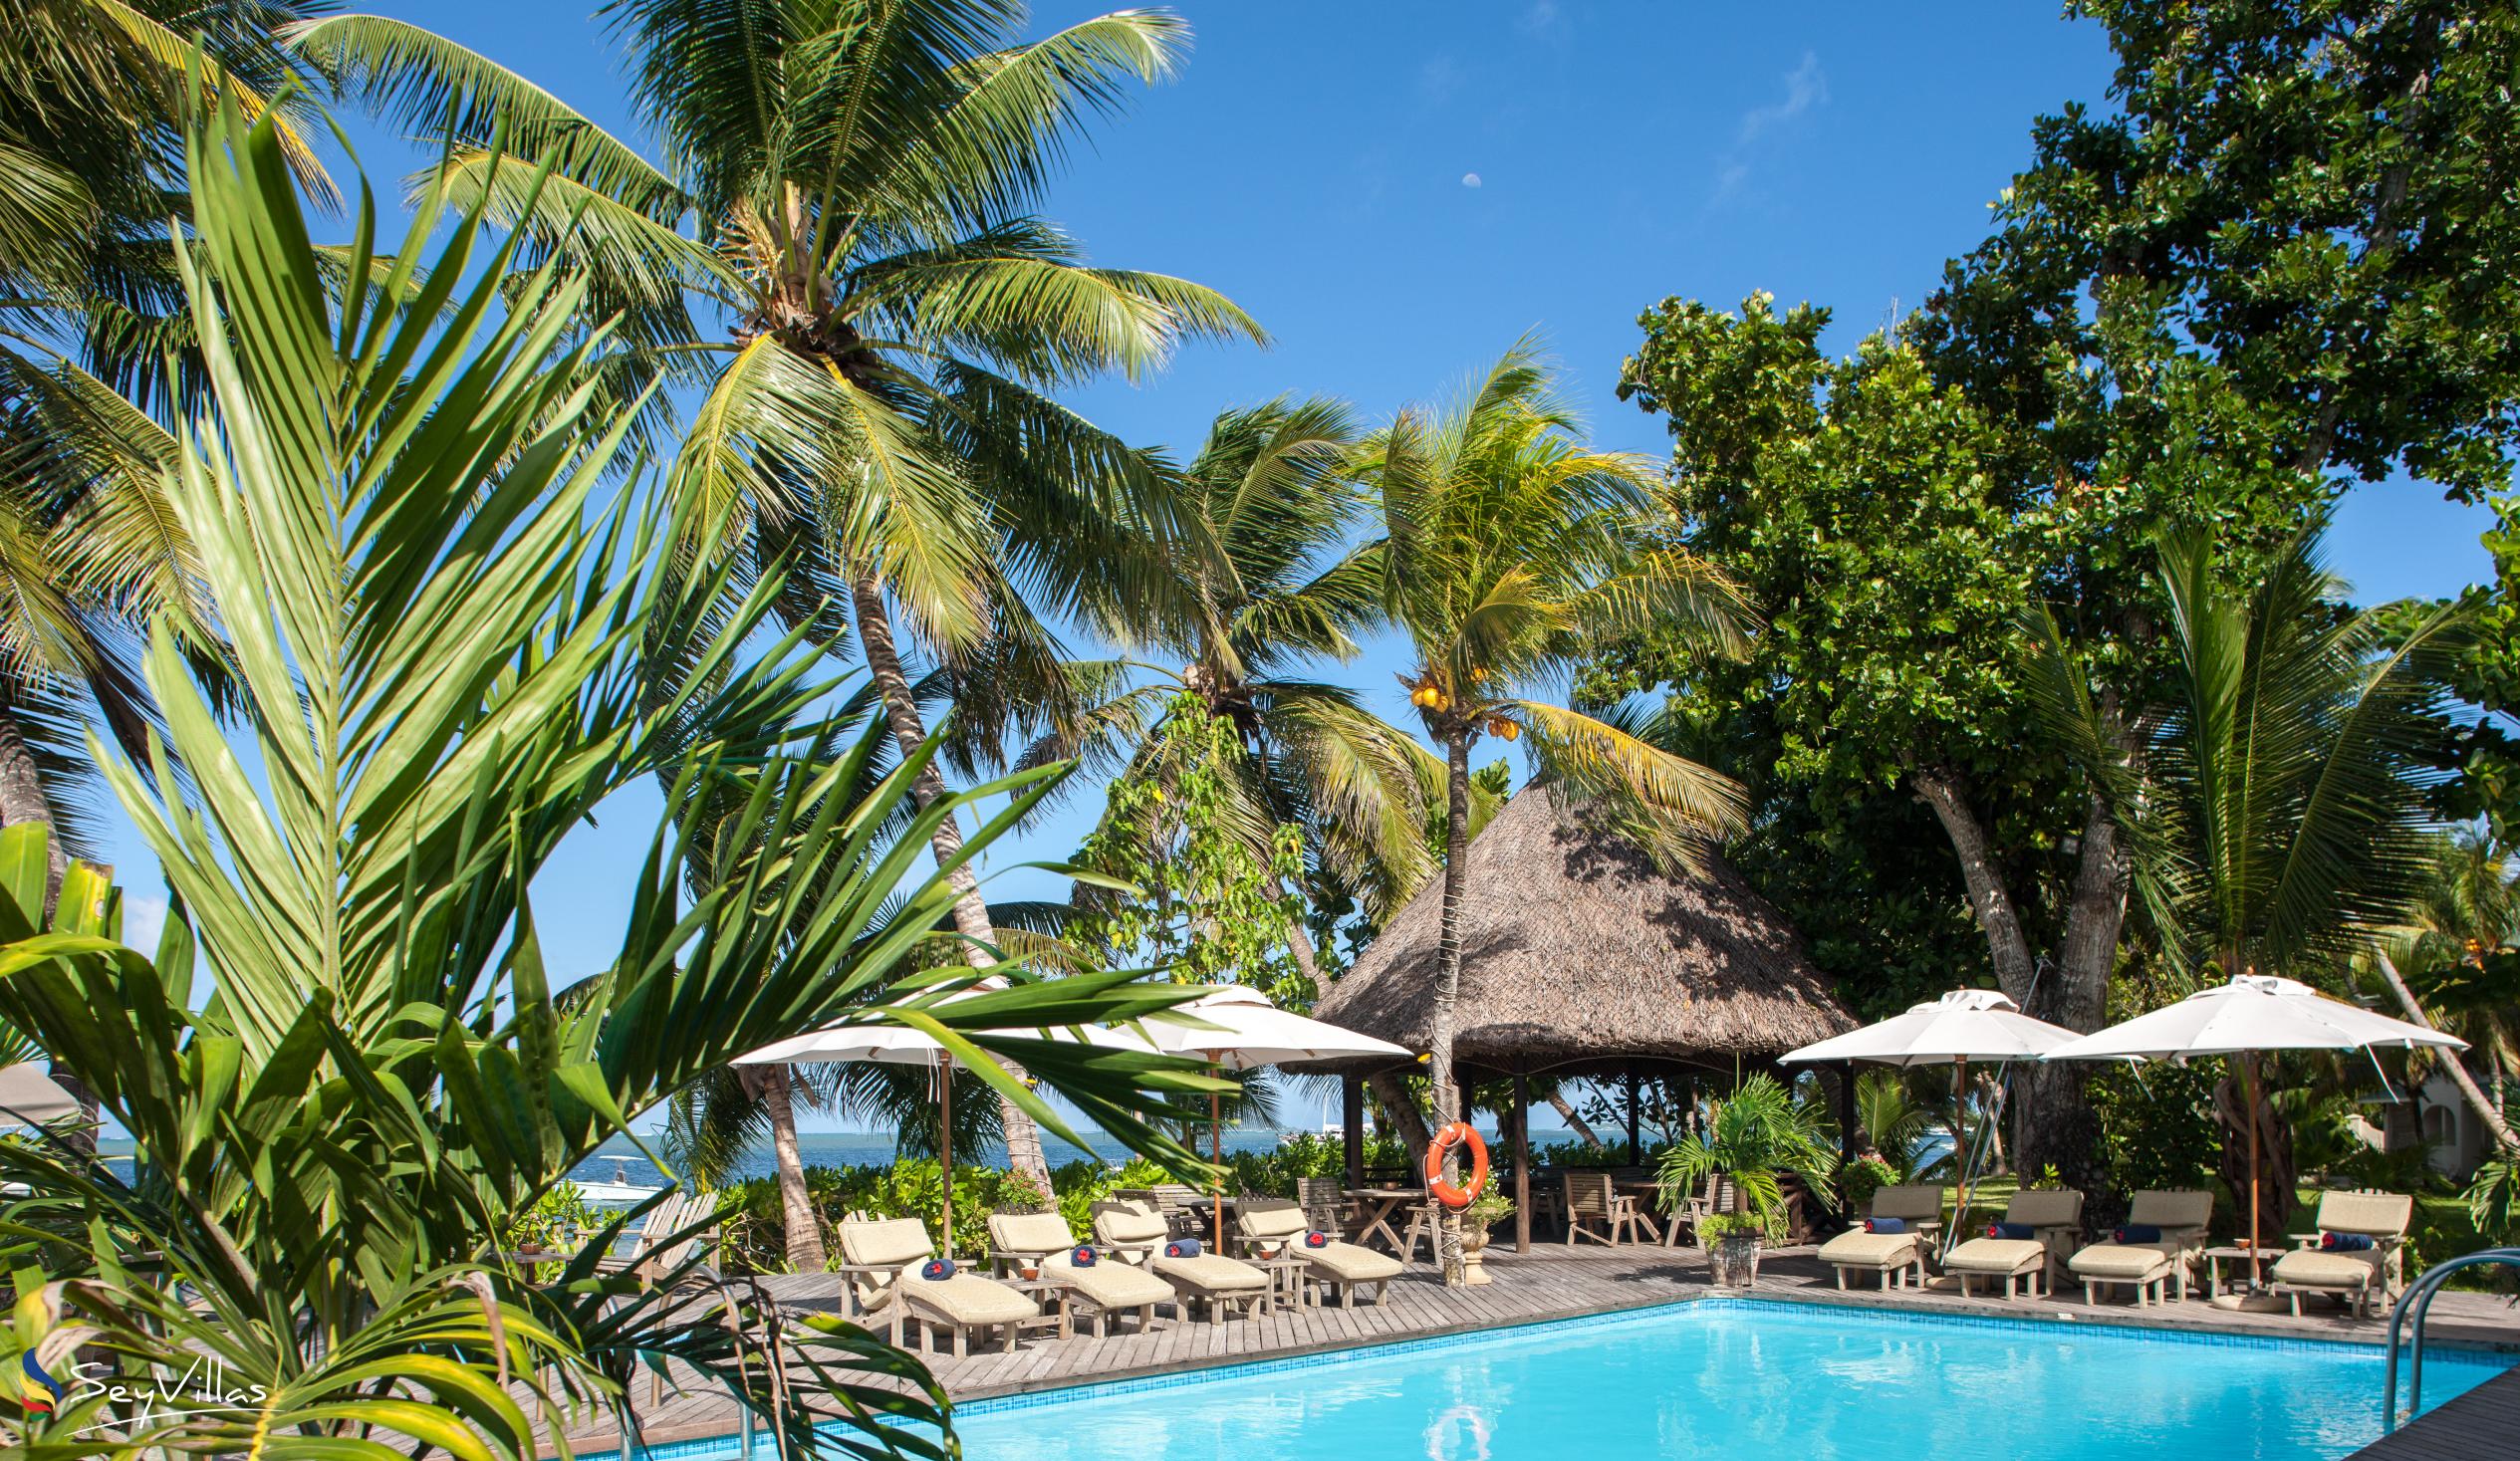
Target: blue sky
[{"x": 1397, "y": 191}]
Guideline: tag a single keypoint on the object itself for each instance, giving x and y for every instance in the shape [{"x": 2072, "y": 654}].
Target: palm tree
[
  {"x": 2449, "y": 964},
  {"x": 2282, "y": 822},
  {"x": 846, "y": 189},
  {"x": 1508, "y": 549},
  {"x": 1285, "y": 584}
]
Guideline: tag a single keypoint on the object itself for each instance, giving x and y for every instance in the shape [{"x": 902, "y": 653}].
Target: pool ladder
[{"x": 2418, "y": 1300}]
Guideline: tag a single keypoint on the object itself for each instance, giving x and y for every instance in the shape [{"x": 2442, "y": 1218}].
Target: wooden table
[
  {"x": 1053, "y": 1295},
  {"x": 1290, "y": 1279},
  {"x": 2237, "y": 1252},
  {"x": 1375, "y": 1207},
  {"x": 1643, "y": 1194}
]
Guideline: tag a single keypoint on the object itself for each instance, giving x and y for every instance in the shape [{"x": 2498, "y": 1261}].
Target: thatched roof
[{"x": 1576, "y": 949}]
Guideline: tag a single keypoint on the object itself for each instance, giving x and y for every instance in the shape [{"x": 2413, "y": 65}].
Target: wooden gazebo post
[
  {"x": 1351, "y": 1126},
  {"x": 1845, "y": 1133},
  {"x": 1636, "y": 1150},
  {"x": 1522, "y": 1159}
]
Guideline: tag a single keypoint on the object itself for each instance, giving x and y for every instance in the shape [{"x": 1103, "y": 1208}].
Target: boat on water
[{"x": 617, "y": 1189}]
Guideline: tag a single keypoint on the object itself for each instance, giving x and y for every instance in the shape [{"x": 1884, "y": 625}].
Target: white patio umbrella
[
  {"x": 1241, "y": 1031},
  {"x": 891, "y": 1045},
  {"x": 2250, "y": 1014},
  {"x": 29, "y": 1096},
  {"x": 1963, "y": 1024}
]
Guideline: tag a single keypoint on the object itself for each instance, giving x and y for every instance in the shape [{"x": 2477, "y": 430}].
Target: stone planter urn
[
  {"x": 1734, "y": 1260},
  {"x": 1474, "y": 1258}
]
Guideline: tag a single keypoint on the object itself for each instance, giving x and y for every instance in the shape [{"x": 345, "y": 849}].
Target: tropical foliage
[
  {"x": 381, "y": 1081},
  {"x": 1753, "y": 1138}
]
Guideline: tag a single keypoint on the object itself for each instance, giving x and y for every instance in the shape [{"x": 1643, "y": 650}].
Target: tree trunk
[
  {"x": 2053, "y": 1122},
  {"x": 2487, "y": 1108},
  {"x": 1448, "y": 985},
  {"x": 1400, "y": 1107},
  {"x": 22, "y": 799},
  {"x": 2275, "y": 1176},
  {"x": 971, "y": 913},
  {"x": 1574, "y": 1122},
  {"x": 796, "y": 1205}
]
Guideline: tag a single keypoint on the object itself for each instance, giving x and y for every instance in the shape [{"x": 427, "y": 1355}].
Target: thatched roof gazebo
[{"x": 1580, "y": 956}]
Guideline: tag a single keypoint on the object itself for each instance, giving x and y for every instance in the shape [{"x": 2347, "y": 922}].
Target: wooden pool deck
[{"x": 1553, "y": 1281}]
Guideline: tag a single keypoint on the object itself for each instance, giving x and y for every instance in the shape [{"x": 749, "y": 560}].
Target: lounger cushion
[
  {"x": 2313, "y": 1270},
  {"x": 1996, "y": 1255},
  {"x": 1124, "y": 1225},
  {"x": 2118, "y": 1263},
  {"x": 886, "y": 1244},
  {"x": 1859, "y": 1249},
  {"x": 2178, "y": 1208},
  {"x": 969, "y": 1299},
  {"x": 1913, "y": 1202},
  {"x": 1347, "y": 1263},
  {"x": 1211, "y": 1273},
  {"x": 1029, "y": 1232},
  {"x": 1108, "y": 1285},
  {"x": 1271, "y": 1218}
]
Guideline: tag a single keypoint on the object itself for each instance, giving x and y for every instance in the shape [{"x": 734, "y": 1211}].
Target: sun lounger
[
  {"x": 2358, "y": 1275},
  {"x": 1135, "y": 1233},
  {"x": 1105, "y": 1287},
  {"x": 2055, "y": 1219},
  {"x": 1892, "y": 1255},
  {"x": 2149, "y": 1268},
  {"x": 1275, "y": 1228},
  {"x": 881, "y": 1263}
]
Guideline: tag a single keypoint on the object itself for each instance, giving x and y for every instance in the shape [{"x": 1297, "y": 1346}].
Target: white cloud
[
  {"x": 1437, "y": 79},
  {"x": 1540, "y": 16},
  {"x": 1806, "y": 87},
  {"x": 1471, "y": 179}
]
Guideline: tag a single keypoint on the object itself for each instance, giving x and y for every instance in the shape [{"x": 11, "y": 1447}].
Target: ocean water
[
  {"x": 877, "y": 1148},
  {"x": 1735, "y": 1378}
]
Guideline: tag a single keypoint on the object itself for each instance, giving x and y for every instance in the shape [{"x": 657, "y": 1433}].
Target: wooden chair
[
  {"x": 1595, "y": 1210},
  {"x": 1325, "y": 1203},
  {"x": 1182, "y": 1207}
]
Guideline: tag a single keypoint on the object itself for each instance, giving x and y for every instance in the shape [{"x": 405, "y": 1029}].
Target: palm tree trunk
[
  {"x": 1449, "y": 984},
  {"x": 22, "y": 799},
  {"x": 1574, "y": 1122},
  {"x": 2487, "y": 1108},
  {"x": 796, "y": 1205},
  {"x": 1400, "y": 1115},
  {"x": 1024, "y": 1155}
]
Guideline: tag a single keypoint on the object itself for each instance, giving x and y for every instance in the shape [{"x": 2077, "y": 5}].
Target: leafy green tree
[
  {"x": 1180, "y": 887},
  {"x": 452, "y": 645},
  {"x": 849, "y": 191},
  {"x": 1508, "y": 550}
]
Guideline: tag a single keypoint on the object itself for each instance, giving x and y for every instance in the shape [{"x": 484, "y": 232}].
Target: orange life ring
[{"x": 1458, "y": 1134}]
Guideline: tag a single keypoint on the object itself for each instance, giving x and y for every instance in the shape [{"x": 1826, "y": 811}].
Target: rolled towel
[
  {"x": 2140, "y": 1233},
  {"x": 1886, "y": 1225},
  {"x": 1083, "y": 1258},
  {"x": 2345, "y": 1242},
  {"x": 1316, "y": 1239},
  {"x": 936, "y": 1268},
  {"x": 1181, "y": 1248},
  {"x": 2011, "y": 1230}
]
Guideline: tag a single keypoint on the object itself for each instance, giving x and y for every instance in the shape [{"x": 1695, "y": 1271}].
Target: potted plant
[
  {"x": 1753, "y": 1138},
  {"x": 1490, "y": 1209}
]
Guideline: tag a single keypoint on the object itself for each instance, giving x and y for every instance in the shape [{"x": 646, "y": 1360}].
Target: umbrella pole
[
  {"x": 945, "y": 1143},
  {"x": 1216, "y": 1155},
  {"x": 2248, "y": 1097},
  {"x": 1959, "y": 1149}
]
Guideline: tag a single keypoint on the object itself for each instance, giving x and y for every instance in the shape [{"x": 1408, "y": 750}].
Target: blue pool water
[{"x": 1743, "y": 1378}]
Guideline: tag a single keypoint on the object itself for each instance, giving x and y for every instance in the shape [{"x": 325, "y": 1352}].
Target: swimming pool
[{"x": 1735, "y": 1377}]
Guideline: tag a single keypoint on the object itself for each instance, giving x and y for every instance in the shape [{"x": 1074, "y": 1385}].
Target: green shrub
[
  {"x": 1867, "y": 1175},
  {"x": 2156, "y": 1126}
]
